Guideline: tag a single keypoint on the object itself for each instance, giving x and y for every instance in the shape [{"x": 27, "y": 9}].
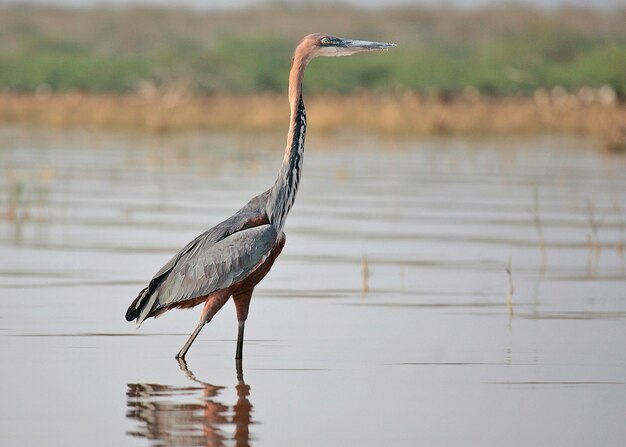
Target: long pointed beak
[{"x": 364, "y": 45}]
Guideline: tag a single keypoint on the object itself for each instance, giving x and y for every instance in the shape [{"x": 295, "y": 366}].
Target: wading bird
[{"x": 231, "y": 258}]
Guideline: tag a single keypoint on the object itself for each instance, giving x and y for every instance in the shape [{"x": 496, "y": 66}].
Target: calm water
[{"x": 388, "y": 319}]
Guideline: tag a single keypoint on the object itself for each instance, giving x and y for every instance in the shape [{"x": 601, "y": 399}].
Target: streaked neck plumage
[{"x": 283, "y": 193}]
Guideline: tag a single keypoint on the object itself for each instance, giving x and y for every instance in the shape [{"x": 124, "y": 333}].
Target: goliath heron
[{"x": 232, "y": 257}]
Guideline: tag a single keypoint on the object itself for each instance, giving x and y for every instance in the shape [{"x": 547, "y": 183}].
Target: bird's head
[{"x": 315, "y": 45}]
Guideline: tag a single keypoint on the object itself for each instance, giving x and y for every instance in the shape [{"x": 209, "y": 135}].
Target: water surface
[{"x": 389, "y": 318}]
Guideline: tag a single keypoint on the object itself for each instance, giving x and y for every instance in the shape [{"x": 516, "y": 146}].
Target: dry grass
[{"x": 408, "y": 114}]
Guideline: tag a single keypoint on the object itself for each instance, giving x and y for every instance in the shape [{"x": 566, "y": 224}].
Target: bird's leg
[
  {"x": 239, "y": 368},
  {"x": 187, "y": 345},
  {"x": 239, "y": 353},
  {"x": 214, "y": 302},
  {"x": 242, "y": 304}
]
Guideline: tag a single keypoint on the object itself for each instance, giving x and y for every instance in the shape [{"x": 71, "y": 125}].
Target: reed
[
  {"x": 509, "y": 298},
  {"x": 405, "y": 114},
  {"x": 593, "y": 240},
  {"x": 365, "y": 274},
  {"x": 539, "y": 228}
]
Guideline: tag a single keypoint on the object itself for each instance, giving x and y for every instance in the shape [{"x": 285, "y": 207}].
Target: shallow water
[{"x": 387, "y": 319}]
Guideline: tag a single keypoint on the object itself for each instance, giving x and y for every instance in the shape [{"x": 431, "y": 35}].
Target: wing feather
[
  {"x": 216, "y": 267},
  {"x": 251, "y": 215}
]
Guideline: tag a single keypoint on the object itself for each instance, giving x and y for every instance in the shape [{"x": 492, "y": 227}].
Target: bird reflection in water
[{"x": 189, "y": 415}]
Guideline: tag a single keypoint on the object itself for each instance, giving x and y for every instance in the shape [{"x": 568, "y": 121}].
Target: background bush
[{"x": 499, "y": 50}]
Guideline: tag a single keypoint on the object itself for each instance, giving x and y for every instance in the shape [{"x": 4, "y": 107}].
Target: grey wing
[
  {"x": 237, "y": 222},
  {"x": 172, "y": 262},
  {"x": 216, "y": 267}
]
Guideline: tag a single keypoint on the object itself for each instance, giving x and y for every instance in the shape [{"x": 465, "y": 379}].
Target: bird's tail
[{"x": 134, "y": 310}]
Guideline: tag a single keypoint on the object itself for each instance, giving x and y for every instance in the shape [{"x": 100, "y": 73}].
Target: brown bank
[{"x": 587, "y": 113}]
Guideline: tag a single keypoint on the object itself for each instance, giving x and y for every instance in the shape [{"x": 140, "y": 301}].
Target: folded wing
[{"x": 203, "y": 269}]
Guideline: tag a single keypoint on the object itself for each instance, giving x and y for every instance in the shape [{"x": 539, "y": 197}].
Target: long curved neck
[{"x": 283, "y": 193}]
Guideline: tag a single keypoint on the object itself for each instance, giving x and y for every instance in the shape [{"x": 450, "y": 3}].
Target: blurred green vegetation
[{"x": 499, "y": 51}]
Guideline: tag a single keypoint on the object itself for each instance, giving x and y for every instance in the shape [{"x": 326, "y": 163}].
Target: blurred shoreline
[
  {"x": 500, "y": 69},
  {"x": 586, "y": 113},
  {"x": 504, "y": 50}
]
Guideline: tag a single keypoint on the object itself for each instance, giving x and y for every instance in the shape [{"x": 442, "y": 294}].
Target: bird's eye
[{"x": 325, "y": 41}]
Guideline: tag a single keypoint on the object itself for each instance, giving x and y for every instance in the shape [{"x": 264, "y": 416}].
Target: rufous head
[{"x": 318, "y": 44}]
